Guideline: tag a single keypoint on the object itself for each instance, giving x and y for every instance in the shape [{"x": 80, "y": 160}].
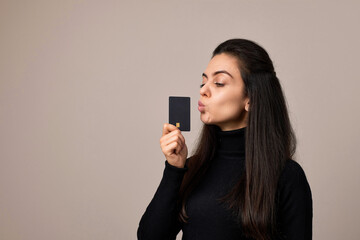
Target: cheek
[
  {"x": 228, "y": 106},
  {"x": 229, "y": 99}
]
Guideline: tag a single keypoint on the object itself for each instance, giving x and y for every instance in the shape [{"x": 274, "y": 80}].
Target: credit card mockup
[{"x": 179, "y": 112}]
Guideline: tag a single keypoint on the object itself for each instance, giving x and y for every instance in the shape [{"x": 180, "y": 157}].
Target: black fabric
[{"x": 209, "y": 219}]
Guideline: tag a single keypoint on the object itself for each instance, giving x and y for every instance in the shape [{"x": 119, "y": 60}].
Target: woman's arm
[
  {"x": 295, "y": 203},
  {"x": 160, "y": 220}
]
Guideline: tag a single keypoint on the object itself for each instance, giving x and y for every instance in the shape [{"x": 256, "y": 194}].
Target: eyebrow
[{"x": 217, "y": 72}]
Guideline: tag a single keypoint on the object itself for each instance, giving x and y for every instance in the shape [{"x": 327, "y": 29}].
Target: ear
[{"x": 247, "y": 104}]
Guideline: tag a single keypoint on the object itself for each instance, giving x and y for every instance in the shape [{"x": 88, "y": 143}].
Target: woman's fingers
[
  {"x": 168, "y": 140},
  {"x": 167, "y": 128},
  {"x": 172, "y": 148},
  {"x": 172, "y": 144},
  {"x": 170, "y": 130}
]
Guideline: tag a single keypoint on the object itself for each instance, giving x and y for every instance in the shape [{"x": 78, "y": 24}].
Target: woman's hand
[{"x": 173, "y": 145}]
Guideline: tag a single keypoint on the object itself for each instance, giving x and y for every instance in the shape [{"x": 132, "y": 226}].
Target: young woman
[{"x": 241, "y": 182}]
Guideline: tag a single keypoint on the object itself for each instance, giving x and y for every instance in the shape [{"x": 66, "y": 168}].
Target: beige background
[{"x": 84, "y": 89}]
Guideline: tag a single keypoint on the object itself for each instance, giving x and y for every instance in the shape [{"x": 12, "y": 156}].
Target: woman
[{"x": 241, "y": 182}]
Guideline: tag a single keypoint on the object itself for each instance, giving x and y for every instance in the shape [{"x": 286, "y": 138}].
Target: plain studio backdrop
[{"x": 84, "y": 89}]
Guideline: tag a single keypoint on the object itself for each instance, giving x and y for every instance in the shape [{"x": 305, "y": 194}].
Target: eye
[
  {"x": 219, "y": 84},
  {"x": 201, "y": 85}
]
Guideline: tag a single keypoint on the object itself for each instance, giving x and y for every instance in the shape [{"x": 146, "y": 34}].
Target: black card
[{"x": 179, "y": 112}]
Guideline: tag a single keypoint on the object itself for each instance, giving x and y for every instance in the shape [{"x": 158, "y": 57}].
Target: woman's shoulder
[
  {"x": 294, "y": 192},
  {"x": 292, "y": 173},
  {"x": 292, "y": 166}
]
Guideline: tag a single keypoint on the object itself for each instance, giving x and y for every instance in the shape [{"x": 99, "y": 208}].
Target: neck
[{"x": 232, "y": 140}]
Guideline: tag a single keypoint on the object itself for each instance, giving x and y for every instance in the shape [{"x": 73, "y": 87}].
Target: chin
[
  {"x": 208, "y": 122},
  {"x": 204, "y": 119}
]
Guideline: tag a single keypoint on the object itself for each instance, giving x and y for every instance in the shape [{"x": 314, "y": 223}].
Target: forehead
[{"x": 223, "y": 62}]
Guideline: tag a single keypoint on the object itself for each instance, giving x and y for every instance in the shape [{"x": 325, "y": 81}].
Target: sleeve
[
  {"x": 295, "y": 204},
  {"x": 160, "y": 220}
]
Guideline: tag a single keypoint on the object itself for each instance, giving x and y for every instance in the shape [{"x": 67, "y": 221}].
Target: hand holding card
[
  {"x": 173, "y": 146},
  {"x": 172, "y": 141}
]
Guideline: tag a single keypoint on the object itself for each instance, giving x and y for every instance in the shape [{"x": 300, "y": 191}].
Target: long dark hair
[{"x": 270, "y": 141}]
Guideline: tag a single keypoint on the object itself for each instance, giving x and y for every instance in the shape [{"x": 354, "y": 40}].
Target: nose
[{"x": 204, "y": 90}]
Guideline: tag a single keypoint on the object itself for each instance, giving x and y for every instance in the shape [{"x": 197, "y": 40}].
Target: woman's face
[{"x": 222, "y": 94}]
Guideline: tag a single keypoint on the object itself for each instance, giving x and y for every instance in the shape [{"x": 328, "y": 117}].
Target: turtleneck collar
[{"x": 232, "y": 141}]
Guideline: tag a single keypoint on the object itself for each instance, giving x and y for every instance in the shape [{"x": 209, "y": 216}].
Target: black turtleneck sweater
[{"x": 209, "y": 219}]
